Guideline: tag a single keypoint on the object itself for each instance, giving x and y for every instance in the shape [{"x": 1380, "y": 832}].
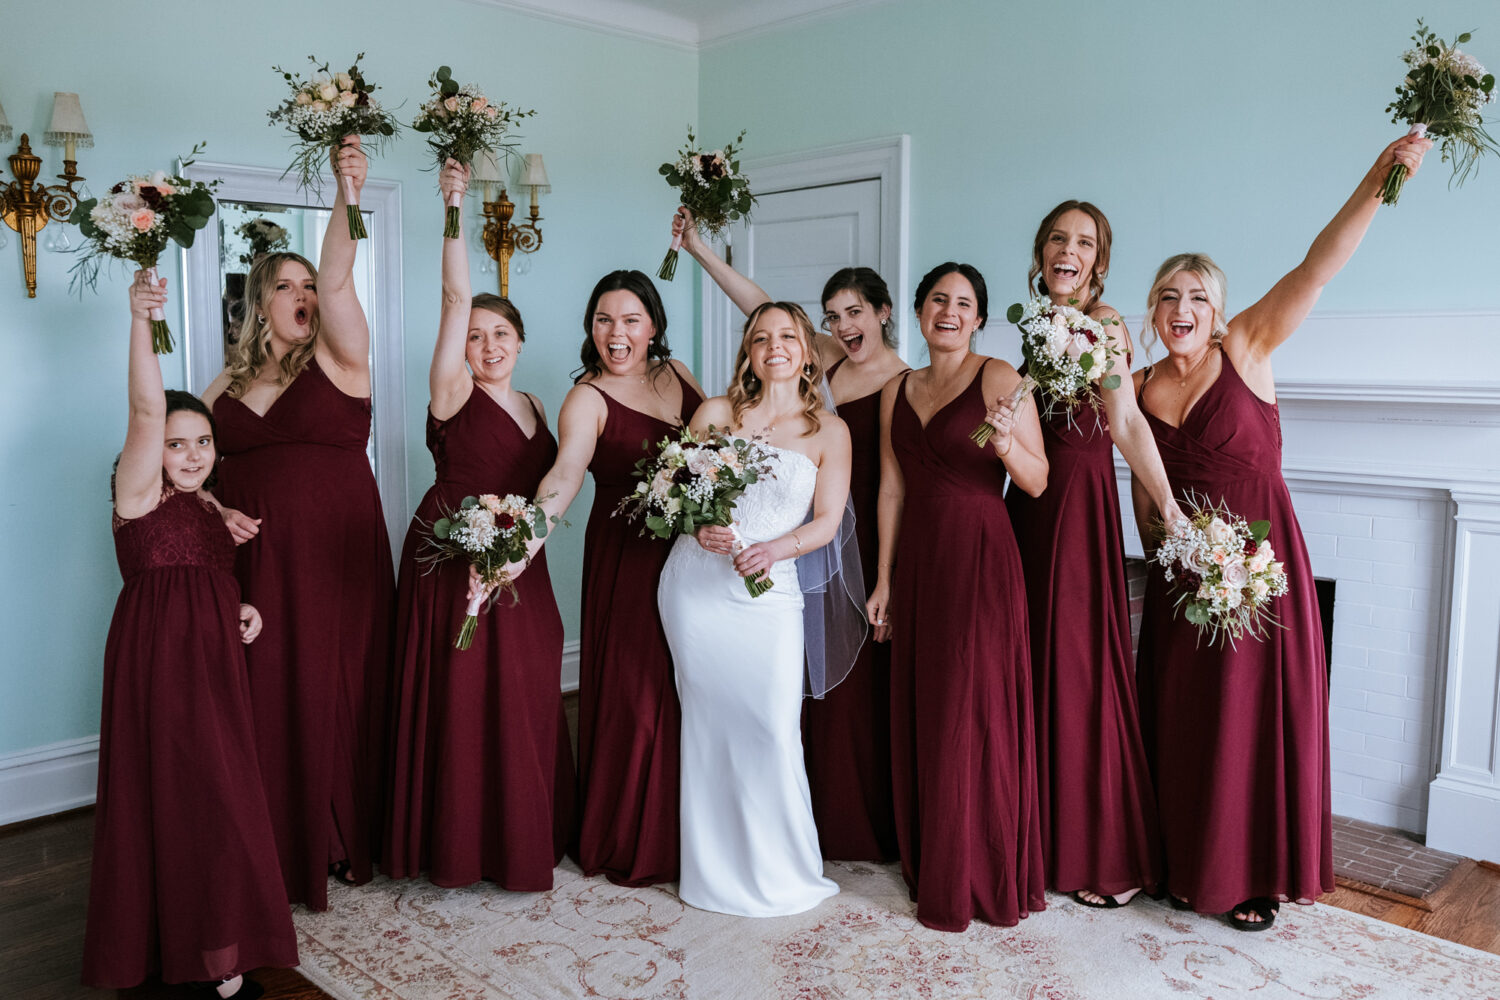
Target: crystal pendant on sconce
[
  {"x": 4, "y": 242},
  {"x": 521, "y": 263},
  {"x": 57, "y": 238}
]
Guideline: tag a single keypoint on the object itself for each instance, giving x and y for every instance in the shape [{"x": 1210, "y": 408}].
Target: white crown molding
[{"x": 748, "y": 20}]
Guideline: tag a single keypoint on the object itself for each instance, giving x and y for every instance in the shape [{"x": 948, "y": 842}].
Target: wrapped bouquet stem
[{"x": 1442, "y": 97}]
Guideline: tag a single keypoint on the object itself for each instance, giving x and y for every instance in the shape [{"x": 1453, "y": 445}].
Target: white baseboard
[
  {"x": 50, "y": 779},
  {"x": 1463, "y": 819},
  {"x": 41, "y": 781}
]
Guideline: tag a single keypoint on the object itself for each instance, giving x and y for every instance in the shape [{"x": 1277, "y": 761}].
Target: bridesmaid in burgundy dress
[
  {"x": 846, "y": 735},
  {"x": 1239, "y": 735},
  {"x": 628, "y": 718},
  {"x": 185, "y": 884},
  {"x": 951, "y": 590},
  {"x": 1098, "y": 812},
  {"x": 294, "y": 418},
  {"x": 482, "y": 776}
]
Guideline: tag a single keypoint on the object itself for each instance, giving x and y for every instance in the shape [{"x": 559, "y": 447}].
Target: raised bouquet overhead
[
  {"x": 1222, "y": 569},
  {"x": 1067, "y": 353},
  {"x": 488, "y": 532},
  {"x": 263, "y": 235},
  {"x": 321, "y": 112},
  {"x": 1442, "y": 96},
  {"x": 134, "y": 222},
  {"x": 712, "y": 187},
  {"x": 690, "y": 481},
  {"x": 463, "y": 122}
]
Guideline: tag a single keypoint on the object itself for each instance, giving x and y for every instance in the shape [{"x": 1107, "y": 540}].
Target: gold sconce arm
[
  {"x": 502, "y": 238},
  {"x": 29, "y": 206}
]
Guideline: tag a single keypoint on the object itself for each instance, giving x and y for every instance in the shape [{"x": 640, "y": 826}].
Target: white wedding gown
[{"x": 749, "y": 846}]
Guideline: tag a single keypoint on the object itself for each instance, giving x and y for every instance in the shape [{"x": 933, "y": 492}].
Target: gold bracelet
[{"x": 797, "y": 541}]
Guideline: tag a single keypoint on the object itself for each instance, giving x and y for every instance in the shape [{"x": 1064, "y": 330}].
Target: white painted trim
[
  {"x": 570, "y": 666},
  {"x": 204, "y": 350},
  {"x": 746, "y": 21},
  {"x": 1464, "y": 819},
  {"x": 612, "y": 17},
  {"x": 48, "y": 779},
  {"x": 886, "y": 159}
]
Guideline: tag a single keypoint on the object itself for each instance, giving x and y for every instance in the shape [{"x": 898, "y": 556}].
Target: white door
[{"x": 814, "y": 214}]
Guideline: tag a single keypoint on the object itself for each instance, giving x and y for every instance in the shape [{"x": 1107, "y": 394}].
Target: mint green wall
[
  {"x": 1236, "y": 129},
  {"x": 609, "y": 111}
]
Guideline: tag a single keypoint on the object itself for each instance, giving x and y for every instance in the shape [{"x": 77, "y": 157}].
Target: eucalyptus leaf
[{"x": 1260, "y": 530}]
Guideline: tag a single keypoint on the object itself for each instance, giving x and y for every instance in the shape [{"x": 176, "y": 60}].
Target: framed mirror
[{"x": 259, "y": 210}]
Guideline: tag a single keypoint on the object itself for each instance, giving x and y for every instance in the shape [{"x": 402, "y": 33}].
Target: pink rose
[
  {"x": 480, "y": 103},
  {"x": 1194, "y": 561},
  {"x": 1236, "y": 575},
  {"x": 319, "y": 105},
  {"x": 492, "y": 113},
  {"x": 451, "y": 103},
  {"x": 130, "y": 202},
  {"x": 347, "y": 98},
  {"x": 143, "y": 219}
]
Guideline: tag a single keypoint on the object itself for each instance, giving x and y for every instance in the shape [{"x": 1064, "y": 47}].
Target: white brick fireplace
[{"x": 1397, "y": 487}]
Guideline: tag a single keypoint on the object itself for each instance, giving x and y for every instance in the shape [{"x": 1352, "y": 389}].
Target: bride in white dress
[{"x": 749, "y": 846}]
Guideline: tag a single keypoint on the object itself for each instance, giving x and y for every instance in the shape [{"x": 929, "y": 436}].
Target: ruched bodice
[
  {"x": 482, "y": 446},
  {"x": 940, "y": 460}
]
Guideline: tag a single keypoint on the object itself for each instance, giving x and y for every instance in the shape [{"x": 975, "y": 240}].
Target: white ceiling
[{"x": 683, "y": 23}]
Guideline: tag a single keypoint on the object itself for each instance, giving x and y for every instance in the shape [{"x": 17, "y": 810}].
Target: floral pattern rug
[{"x": 589, "y": 938}]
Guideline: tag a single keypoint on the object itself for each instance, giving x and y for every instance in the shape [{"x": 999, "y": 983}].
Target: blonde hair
[
  {"x": 252, "y": 351},
  {"x": 1214, "y": 283},
  {"x": 745, "y": 388}
]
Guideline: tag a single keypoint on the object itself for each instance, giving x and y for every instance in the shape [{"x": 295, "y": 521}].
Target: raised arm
[
  {"x": 448, "y": 380},
  {"x": 1127, "y": 424},
  {"x": 1261, "y": 328},
  {"x": 888, "y": 505},
  {"x": 138, "y": 475},
  {"x": 744, "y": 293},
  {"x": 344, "y": 332}
]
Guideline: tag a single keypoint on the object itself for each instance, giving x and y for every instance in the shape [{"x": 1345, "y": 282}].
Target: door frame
[{"x": 886, "y": 159}]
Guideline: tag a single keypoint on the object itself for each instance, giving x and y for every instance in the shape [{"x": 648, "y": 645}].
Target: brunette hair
[
  {"x": 490, "y": 302},
  {"x": 868, "y": 285},
  {"x": 1214, "y": 283},
  {"x": 641, "y": 287},
  {"x": 1038, "y": 281},
  {"x": 177, "y": 399},
  {"x": 969, "y": 271},
  {"x": 745, "y": 388},
  {"x": 252, "y": 351}
]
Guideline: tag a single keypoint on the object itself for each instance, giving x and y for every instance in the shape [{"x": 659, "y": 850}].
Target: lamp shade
[
  {"x": 534, "y": 174},
  {"x": 67, "y": 122},
  {"x": 486, "y": 169},
  {"x": 5, "y": 132}
]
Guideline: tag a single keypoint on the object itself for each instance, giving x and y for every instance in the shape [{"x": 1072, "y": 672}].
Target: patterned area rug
[{"x": 588, "y": 938}]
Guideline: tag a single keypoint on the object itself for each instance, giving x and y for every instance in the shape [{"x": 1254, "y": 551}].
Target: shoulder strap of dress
[{"x": 835, "y": 367}]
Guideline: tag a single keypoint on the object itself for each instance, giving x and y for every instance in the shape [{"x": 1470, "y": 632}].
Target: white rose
[
  {"x": 673, "y": 506},
  {"x": 702, "y": 462},
  {"x": 347, "y": 98},
  {"x": 1261, "y": 558},
  {"x": 304, "y": 98},
  {"x": 319, "y": 105},
  {"x": 1236, "y": 575},
  {"x": 1220, "y": 533},
  {"x": 329, "y": 92},
  {"x": 344, "y": 81},
  {"x": 1258, "y": 590},
  {"x": 672, "y": 450}
]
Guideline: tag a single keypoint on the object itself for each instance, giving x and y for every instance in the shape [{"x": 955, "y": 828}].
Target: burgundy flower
[
  {"x": 505, "y": 522},
  {"x": 682, "y": 476},
  {"x": 711, "y": 167},
  {"x": 152, "y": 196}
]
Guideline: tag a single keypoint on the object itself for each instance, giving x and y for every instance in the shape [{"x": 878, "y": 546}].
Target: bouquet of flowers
[
  {"x": 462, "y": 122},
  {"x": 1223, "y": 569},
  {"x": 263, "y": 235},
  {"x": 489, "y": 532},
  {"x": 693, "y": 481},
  {"x": 1066, "y": 353},
  {"x": 134, "y": 221},
  {"x": 711, "y": 186},
  {"x": 321, "y": 112},
  {"x": 1441, "y": 95}
]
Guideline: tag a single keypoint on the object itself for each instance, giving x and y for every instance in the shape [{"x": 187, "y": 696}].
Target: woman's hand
[
  {"x": 250, "y": 623},
  {"x": 1407, "y": 151},
  {"x": 242, "y": 527},
  {"x": 1003, "y": 419},
  {"x": 754, "y": 560},
  {"x": 453, "y": 178},
  {"x": 685, "y": 227},
  {"x": 349, "y": 161},
  {"x": 145, "y": 296},
  {"x": 878, "y": 610},
  {"x": 1173, "y": 515},
  {"x": 716, "y": 539}
]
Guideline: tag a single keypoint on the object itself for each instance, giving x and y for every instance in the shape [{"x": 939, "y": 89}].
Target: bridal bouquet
[
  {"x": 1066, "y": 353},
  {"x": 711, "y": 186},
  {"x": 134, "y": 221},
  {"x": 321, "y": 112},
  {"x": 489, "y": 532},
  {"x": 1442, "y": 95},
  {"x": 1223, "y": 570},
  {"x": 693, "y": 481},
  {"x": 462, "y": 122},
  {"x": 263, "y": 235}
]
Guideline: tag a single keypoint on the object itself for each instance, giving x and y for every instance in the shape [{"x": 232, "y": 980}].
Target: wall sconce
[
  {"x": 502, "y": 237},
  {"x": 28, "y": 206}
]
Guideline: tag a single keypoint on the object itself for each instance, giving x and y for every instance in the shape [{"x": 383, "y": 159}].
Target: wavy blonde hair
[
  {"x": 252, "y": 351},
  {"x": 1214, "y": 283},
  {"x": 746, "y": 388}
]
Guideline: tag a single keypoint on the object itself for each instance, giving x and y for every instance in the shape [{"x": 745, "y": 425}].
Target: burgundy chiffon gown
[
  {"x": 628, "y": 715},
  {"x": 320, "y": 573},
  {"x": 1238, "y": 736},
  {"x": 846, "y": 736},
  {"x": 185, "y": 883},
  {"x": 482, "y": 780},
  {"x": 1098, "y": 810},
  {"x": 961, "y": 736}
]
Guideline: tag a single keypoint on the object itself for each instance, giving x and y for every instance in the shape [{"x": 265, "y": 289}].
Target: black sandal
[
  {"x": 1109, "y": 902},
  {"x": 343, "y": 872},
  {"x": 1178, "y": 903},
  {"x": 1262, "y": 906}
]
